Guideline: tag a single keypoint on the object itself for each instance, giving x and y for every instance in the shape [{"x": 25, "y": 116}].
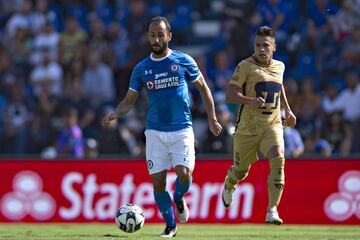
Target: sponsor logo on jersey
[
  {"x": 148, "y": 72},
  {"x": 174, "y": 67},
  {"x": 164, "y": 74},
  {"x": 150, "y": 84},
  {"x": 166, "y": 82}
]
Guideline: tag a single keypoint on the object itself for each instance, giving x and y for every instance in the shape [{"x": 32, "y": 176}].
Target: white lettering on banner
[
  {"x": 199, "y": 198},
  {"x": 209, "y": 191},
  {"x": 89, "y": 189},
  {"x": 71, "y": 195},
  {"x": 144, "y": 196},
  {"x": 107, "y": 206}
]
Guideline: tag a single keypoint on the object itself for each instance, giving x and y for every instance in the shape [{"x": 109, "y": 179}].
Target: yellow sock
[{"x": 276, "y": 181}]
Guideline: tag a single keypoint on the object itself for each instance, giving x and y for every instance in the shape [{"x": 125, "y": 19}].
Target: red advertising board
[{"x": 316, "y": 191}]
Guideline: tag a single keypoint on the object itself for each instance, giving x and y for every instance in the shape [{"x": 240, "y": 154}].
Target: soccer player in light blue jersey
[{"x": 165, "y": 75}]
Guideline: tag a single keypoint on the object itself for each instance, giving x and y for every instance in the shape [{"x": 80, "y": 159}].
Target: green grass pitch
[{"x": 99, "y": 231}]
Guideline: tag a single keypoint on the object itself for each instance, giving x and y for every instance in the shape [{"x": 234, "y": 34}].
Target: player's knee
[
  {"x": 277, "y": 162},
  {"x": 184, "y": 177},
  {"x": 241, "y": 174},
  {"x": 183, "y": 174}
]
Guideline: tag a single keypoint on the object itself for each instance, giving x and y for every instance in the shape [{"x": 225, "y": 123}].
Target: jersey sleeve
[
  {"x": 282, "y": 71},
  {"x": 240, "y": 73},
  {"x": 192, "y": 71},
  {"x": 135, "y": 80}
]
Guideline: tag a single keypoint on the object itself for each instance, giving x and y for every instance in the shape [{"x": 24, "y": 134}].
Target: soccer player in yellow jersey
[{"x": 257, "y": 86}]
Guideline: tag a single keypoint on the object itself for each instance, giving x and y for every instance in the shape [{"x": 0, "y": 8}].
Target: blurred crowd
[{"x": 64, "y": 64}]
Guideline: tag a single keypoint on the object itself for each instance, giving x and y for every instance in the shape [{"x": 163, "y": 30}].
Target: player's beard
[{"x": 160, "y": 48}]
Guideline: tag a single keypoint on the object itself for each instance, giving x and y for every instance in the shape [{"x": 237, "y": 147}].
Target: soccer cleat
[
  {"x": 182, "y": 210},
  {"x": 272, "y": 217},
  {"x": 169, "y": 232},
  {"x": 227, "y": 197}
]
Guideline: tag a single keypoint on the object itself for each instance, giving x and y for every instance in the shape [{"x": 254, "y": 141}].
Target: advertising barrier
[{"x": 316, "y": 191}]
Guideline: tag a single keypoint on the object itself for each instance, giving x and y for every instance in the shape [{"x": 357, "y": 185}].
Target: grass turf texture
[{"x": 42, "y": 231}]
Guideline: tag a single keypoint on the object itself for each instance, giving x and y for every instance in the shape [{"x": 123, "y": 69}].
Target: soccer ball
[{"x": 129, "y": 218}]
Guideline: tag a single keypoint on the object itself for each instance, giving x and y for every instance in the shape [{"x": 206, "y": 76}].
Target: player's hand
[
  {"x": 258, "y": 102},
  {"x": 108, "y": 118},
  {"x": 215, "y": 127},
  {"x": 290, "y": 119}
]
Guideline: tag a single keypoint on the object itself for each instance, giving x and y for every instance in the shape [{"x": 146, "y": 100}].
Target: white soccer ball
[{"x": 129, "y": 218}]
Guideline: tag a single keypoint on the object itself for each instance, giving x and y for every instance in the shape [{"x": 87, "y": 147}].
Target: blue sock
[
  {"x": 181, "y": 189},
  {"x": 164, "y": 204}
]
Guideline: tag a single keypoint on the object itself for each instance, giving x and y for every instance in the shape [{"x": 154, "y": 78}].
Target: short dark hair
[
  {"x": 160, "y": 19},
  {"x": 265, "y": 31}
]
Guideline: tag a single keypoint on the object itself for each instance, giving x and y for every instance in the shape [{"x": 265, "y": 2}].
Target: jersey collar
[{"x": 160, "y": 59}]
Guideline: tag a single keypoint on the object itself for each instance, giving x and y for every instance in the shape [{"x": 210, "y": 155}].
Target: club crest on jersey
[
  {"x": 174, "y": 67},
  {"x": 150, "y": 85}
]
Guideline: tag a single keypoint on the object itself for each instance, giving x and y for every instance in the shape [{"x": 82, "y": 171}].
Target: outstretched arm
[
  {"x": 290, "y": 119},
  {"x": 208, "y": 101},
  {"x": 124, "y": 106}
]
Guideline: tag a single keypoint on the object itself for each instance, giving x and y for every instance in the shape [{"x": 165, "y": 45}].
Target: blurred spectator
[
  {"x": 20, "y": 49},
  {"x": 41, "y": 16},
  {"x": 71, "y": 41},
  {"x": 338, "y": 134},
  {"x": 98, "y": 82},
  {"x": 118, "y": 43},
  {"x": 47, "y": 76},
  {"x": 73, "y": 74},
  {"x": 17, "y": 116},
  {"x": 347, "y": 19},
  {"x": 137, "y": 20},
  {"x": 350, "y": 52},
  {"x": 348, "y": 99},
  {"x": 69, "y": 142},
  {"x": 294, "y": 145},
  {"x": 47, "y": 40},
  {"x": 96, "y": 40},
  {"x": 221, "y": 72},
  {"x": 323, "y": 147},
  {"x": 330, "y": 94},
  {"x": 110, "y": 141},
  {"x": 21, "y": 20},
  {"x": 223, "y": 142},
  {"x": 74, "y": 98}
]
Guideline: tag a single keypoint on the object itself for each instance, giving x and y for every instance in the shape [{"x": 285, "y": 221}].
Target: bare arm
[
  {"x": 208, "y": 101},
  {"x": 124, "y": 107},
  {"x": 290, "y": 118},
  {"x": 234, "y": 95}
]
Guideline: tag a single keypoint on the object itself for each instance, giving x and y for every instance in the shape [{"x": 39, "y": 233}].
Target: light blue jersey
[{"x": 166, "y": 82}]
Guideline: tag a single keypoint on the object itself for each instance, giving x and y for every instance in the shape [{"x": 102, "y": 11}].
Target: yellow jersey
[{"x": 258, "y": 80}]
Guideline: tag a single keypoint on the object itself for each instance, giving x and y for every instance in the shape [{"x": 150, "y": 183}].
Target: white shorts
[{"x": 165, "y": 150}]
